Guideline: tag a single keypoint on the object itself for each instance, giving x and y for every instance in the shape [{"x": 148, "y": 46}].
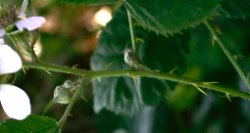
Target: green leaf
[
  {"x": 90, "y": 2},
  {"x": 126, "y": 95},
  {"x": 171, "y": 16},
  {"x": 32, "y": 124},
  {"x": 236, "y": 8},
  {"x": 161, "y": 54}
]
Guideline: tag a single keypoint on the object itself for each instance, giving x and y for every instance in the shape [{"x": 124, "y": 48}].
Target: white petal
[
  {"x": 10, "y": 61},
  {"x": 30, "y": 23},
  {"x": 15, "y": 102},
  {"x": 2, "y": 41},
  {"x": 2, "y": 32}
]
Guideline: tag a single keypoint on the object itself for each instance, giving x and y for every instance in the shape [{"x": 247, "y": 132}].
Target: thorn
[
  {"x": 82, "y": 96},
  {"x": 75, "y": 66},
  {"x": 132, "y": 75},
  {"x": 173, "y": 70},
  {"x": 24, "y": 70},
  {"x": 199, "y": 89},
  {"x": 84, "y": 99},
  {"x": 228, "y": 97},
  {"x": 209, "y": 83},
  {"x": 47, "y": 71},
  {"x": 139, "y": 40},
  {"x": 237, "y": 57},
  {"x": 218, "y": 30},
  {"x": 108, "y": 66}
]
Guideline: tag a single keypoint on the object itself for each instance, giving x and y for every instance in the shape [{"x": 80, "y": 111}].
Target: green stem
[
  {"x": 70, "y": 106},
  {"x": 131, "y": 29},
  {"x": 228, "y": 54},
  {"x": 134, "y": 73}
]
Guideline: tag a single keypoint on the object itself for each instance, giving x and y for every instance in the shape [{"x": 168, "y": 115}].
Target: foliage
[
  {"x": 89, "y": 2},
  {"x": 128, "y": 95},
  {"x": 236, "y": 9},
  {"x": 34, "y": 124}
]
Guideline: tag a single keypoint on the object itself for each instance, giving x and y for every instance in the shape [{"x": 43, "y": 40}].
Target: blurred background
[{"x": 70, "y": 36}]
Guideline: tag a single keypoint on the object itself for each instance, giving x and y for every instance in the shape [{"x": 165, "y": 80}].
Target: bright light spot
[
  {"x": 10, "y": 61},
  {"x": 37, "y": 48},
  {"x": 15, "y": 102},
  {"x": 51, "y": 25},
  {"x": 103, "y": 16}
]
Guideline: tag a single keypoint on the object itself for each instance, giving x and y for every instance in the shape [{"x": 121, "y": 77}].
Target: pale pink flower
[{"x": 30, "y": 23}]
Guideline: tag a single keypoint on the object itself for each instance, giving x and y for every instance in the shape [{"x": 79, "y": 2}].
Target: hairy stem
[
  {"x": 134, "y": 73},
  {"x": 228, "y": 54},
  {"x": 76, "y": 95}
]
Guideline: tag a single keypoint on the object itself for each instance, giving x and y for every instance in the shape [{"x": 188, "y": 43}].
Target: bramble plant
[{"x": 168, "y": 53}]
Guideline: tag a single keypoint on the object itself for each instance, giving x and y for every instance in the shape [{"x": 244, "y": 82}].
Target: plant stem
[
  {"x": 70, "y": 105},
  {"x": 131, "y": 29},
  {"x": 228, "y": 54},
  {"x": 135, "y": 73}
]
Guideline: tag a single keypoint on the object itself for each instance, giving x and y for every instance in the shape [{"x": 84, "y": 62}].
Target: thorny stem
[
  {"x": 229, "y": 55},
  {"x": 135, "y": 73},
  {"x": 75, "y": 96}
]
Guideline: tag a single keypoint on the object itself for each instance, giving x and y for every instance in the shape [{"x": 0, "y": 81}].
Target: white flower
[
  {"x": 30, "y": 23},
  {"x": 10, "y": 61},
  {"x": 15, "y": 101},
  {"x": 2, "y": 32}
]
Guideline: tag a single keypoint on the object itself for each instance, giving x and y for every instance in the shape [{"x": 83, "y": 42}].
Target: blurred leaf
[
  {"x": 236, "y": 8},
  {"x": 89, "y": 2},
  {"x": 32, "y": 124},
  {"x": 161, "y": 54},
  {"x": 123, "y": 94},
  {"x": 9, "y": 78},
  {"x": 183, "y": 97},
  {"x": 10, "y": 2},
  {"x": 171, "y": 16},
  {"x": 109, "y": 122}
]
